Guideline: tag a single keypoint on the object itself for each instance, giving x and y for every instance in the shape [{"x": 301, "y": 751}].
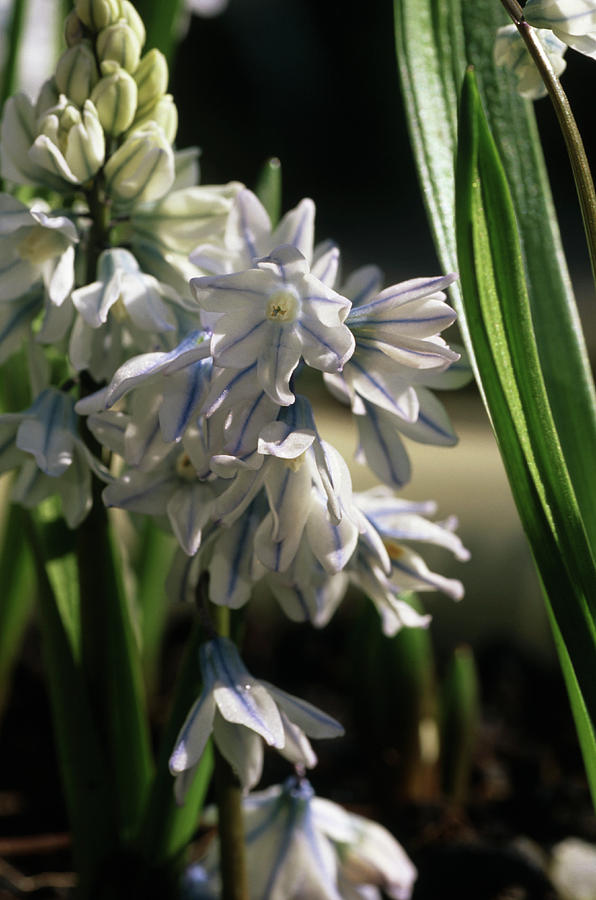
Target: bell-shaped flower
[
  {"x": 122, "y": 312},
  {"x": 511, "y": 52},
  {"x": 398, "y": 356},
  {"x": 17, "y": 133},
  {"x": 384, "y": 567},
  {"x": 572, "y": 21},
  {"x": 141, "y": 169},
  {"x": 249, "y": 236},
  {"x": 242, "y": 712},
  {"x": 275, "y": 314},
  {"x": 35, "y": 246},
  {"x": 43, "y": 441},
  {"x": 303, "y": 846},
  {"x": 70, "y": 143}
]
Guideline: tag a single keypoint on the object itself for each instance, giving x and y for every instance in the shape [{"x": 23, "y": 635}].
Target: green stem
[
  {"x": 582, "y": 174},
  {"x": 228, "y": 793},
  {"x": 232, "y": 854}
]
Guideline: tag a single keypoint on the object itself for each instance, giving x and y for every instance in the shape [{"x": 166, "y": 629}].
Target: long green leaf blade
[
  {"x": 492, "y": 280},
  {"x": 436, "y": 40}
]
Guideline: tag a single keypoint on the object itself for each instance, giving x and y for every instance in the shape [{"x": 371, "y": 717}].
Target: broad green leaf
[
  {"x": 82, "y": 764},
  {"x": 436, "y": 40},
  {"x": 111, "y": 662},
  {"x": 152, "y": 565},
  {"x": 496, "y": 304}
]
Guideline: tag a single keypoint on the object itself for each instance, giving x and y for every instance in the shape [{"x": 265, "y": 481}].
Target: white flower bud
[
  {"x": 115, "y": 97},
  {"x": 133, "y": 19},
  {"x": 48, "y": 96},
  {"x": 96, "y": 14},
  {"x": 119, "y": 43},
  {"x": 151, "y": 77},
  {"x": 71, "y": 142},
  {"x": 74, "y": 30},
  {"x": 142, "y": 169},
  {"x": 164, "y": 113},
  {"x": 76, "y": 72}
]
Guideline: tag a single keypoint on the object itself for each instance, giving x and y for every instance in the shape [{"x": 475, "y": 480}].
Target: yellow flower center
[
  {"x": 283, "y": 306},
  {"x": 394, "y": 550},
  {"x": 41, "y": 244},
  {"x": 185, "y": 468}
]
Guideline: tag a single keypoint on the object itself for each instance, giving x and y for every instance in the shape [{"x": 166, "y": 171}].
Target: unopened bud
[
  {"x": 115, "y": 97},
  {"x": 164, "y": 113},
  {"x": 70, "y": 142},
  {"x": 74, "y": 30},
  {"x": 151, "y": 77},
  {"x": 47, "y": 97},
  {"x": 97, "y": 14},
  {"x": 76, "y": 72},
  {"x": 133, "y": 19},
  {"x": 119, "y": 43},
  {"x": 142, "y": 168}
]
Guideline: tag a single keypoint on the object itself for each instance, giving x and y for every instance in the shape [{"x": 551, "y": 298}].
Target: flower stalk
[
  {"x": 228, "y": 794},
  {"x": 580, "y": 166}
]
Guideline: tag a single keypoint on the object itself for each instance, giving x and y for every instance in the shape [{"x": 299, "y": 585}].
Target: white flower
[
  {"x": 398, "y": 353},
  {"x": 511, "y": 52},
  {"x": 241, "y": 712},
  {"x": 249, "y": 236},
  {"x": 70, "y": 142},
  {"x": 141, "y": 169},
  {"x": 303, "y": 847},
  {"x": 43, "y": 440},
  {"x": 572, "y": 21},
  {"x": 35, "y": 245},
  {"x": 384, "y": 567},
  {"x": 274, "y": 314}
]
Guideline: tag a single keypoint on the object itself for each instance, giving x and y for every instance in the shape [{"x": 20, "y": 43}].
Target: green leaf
[
  {"x": 87, "y": 784},
  {"x": 152, "y": 565},
  {"x": 13, "y": 35},
  {"x": 268, "y": 189},
  {"x": 18, "y": 594},
  {"x": 500, "y": 327},
  {"x": 111, "y": 662},
  {"x": 435, "y": 43},
  {"x": 167, "y": 827},
  {"x": 459, "y": 722}
]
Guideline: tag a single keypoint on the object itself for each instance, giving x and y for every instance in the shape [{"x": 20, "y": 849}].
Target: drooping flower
[
  {"x": 572, "y": 21},
  {"x": 303, "y": 847},
  {"x": 242, "y": 712},
  {"x": 511, "y": 52},
  {"x": 43, "y": 442}
]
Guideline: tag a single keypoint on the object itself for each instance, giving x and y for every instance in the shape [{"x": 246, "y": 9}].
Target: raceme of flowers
[{"x": 180, "y": 322}]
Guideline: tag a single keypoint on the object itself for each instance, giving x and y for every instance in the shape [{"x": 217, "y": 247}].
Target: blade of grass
[{"x": 268, "y": 188}]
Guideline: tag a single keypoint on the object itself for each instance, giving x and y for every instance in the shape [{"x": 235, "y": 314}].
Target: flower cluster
[{"x": 180, "y": 321}]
